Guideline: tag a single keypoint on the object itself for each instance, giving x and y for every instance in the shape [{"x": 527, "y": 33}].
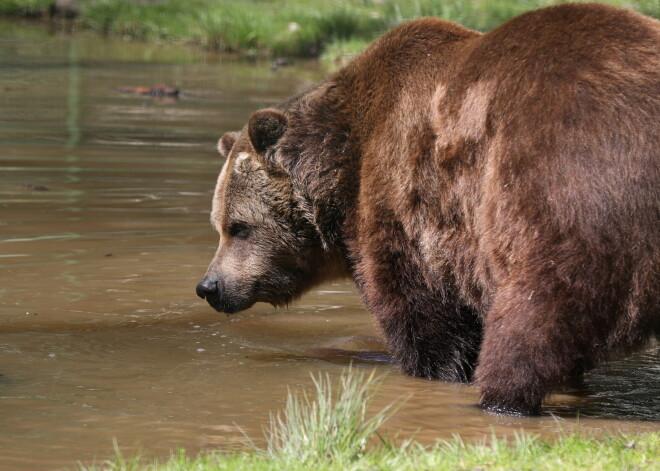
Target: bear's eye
[{"x": 239, "y": 230}]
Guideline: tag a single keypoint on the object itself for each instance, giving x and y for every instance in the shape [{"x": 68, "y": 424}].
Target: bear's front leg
[
  {"x": 435, "y": 341},
  {"x": 429, "y": 333}
]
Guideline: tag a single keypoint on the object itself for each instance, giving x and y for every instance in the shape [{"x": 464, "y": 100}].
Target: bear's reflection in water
[
  {"x": 623, "y": 388},
  {"x": 344, "y": 350}
]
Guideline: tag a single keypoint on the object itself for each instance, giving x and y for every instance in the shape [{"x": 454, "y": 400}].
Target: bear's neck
[
  {"x": 319, "y": 151},
  {"x": 339, "y": 125}
]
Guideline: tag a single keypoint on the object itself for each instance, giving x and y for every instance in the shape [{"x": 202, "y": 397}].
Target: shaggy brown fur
[{"x": 495, "y": 197}]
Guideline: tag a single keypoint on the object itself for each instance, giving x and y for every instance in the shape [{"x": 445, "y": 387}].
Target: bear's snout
[
  {"x": 222, "y": 298},
  {"x": 207, "y": 288},
  {"x": 211, "y": 290}
]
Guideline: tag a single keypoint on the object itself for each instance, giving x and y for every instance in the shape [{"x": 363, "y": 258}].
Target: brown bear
[{"x": 496, "y": 197}]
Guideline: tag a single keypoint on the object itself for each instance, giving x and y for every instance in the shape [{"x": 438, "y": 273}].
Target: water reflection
[
  {"x": 73, "y": 98},
  {"x": 101, "y": 334}
]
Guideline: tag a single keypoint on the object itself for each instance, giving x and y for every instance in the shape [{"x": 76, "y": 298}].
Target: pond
[{"x": 104, "y": 232}]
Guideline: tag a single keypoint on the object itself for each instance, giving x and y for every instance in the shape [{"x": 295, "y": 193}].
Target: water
[{"x": 104, "y": 232}]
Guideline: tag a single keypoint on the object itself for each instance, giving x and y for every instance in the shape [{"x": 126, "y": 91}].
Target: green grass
[
  {"x": 22, "y": 7},
  {"x": 284, "y": 27},
  {"x": 331, "y": 431},
  {"x": 315, "y": 430},
  {"x": 524, "y": 453}
]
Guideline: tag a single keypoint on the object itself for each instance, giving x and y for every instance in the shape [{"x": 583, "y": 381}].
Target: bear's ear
[
  {"x": 226, "y": 142},
  {"x": 265, "y": 128}
]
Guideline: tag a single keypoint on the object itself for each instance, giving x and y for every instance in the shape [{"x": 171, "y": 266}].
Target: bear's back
[{"x": 570, "y": 100}]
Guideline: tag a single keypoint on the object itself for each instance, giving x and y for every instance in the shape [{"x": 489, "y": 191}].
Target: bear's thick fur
[{"x": 496, "y": 197}]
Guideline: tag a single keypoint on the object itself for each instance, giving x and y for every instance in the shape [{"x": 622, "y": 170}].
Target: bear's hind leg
[{"x": 532, "y": 344}]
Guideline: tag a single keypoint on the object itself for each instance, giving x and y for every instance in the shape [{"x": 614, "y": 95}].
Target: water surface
[{"x": 104, "y": 232}]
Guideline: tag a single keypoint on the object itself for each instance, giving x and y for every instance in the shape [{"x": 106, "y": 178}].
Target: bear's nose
[{"x": 206, "y": 288}]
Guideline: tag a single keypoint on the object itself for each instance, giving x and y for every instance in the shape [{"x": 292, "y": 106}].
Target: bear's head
[{"x": 269, "y": 250}]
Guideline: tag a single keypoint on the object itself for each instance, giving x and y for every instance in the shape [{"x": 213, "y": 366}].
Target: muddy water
[{"x": 104, "y": 232}]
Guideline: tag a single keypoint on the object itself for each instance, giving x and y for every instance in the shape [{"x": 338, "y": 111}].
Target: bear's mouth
[
  {"x": 228, "y": 305},
  {"x": 231, "y": 298},
  {"x": 226, "y": 297}
]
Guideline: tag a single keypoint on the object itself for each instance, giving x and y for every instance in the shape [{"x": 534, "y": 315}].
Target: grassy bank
[
  {"x": 331, "y": 431},
  {"x": 568, "y": 453},
  {"x": 282, "y": 27}
]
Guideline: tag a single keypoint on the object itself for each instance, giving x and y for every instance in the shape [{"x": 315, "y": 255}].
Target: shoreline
[
  {"x": 326, "y": 30},
  {"x": 329, "y": 429}
]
